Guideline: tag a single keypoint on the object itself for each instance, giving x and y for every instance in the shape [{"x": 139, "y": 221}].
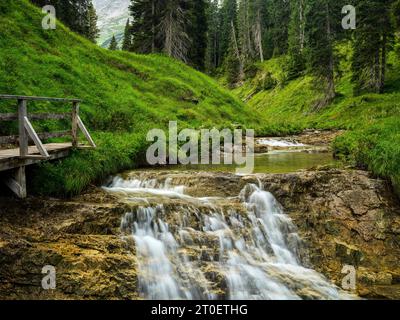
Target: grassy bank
[
  {"x": 372, "y": 121},
  {"x": 124, "y": 95}
]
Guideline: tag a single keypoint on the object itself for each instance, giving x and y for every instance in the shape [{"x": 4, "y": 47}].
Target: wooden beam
[
  {"x": 8, "y": 116},
  {"x": 49, "y": 116},
  {"x": 17, "y": 183},
  {"x": 36, "y": 116},
  {"x": 42, "y": 136},
  {"x": 86, "y": 132},
  {"x": 32, "y": 133},
  {"x": 8, "y": 164},
  {"x": 23, "y": 139},
  {"x": 33, "y": 98},
  {"x": 75, "y": 115}
]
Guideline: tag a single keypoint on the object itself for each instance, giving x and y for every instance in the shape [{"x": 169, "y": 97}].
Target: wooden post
[
  {"x": 75, "y": 113},
  {"x": 23, "y": 137},
  {"x": 17, "y": 182},
  {"x": 18, "y": 185}
]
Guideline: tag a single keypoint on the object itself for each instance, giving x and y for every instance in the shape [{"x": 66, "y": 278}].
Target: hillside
[
  {"x": 124, "y": 95},
  {"x": 372, "y": 121}
]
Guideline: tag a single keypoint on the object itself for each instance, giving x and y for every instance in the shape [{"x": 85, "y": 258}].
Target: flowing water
[
  {"x": 241, "y": 247},
  {"x": 282, "y": 157}
]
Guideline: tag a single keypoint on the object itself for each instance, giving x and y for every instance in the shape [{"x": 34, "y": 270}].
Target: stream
[{"x": 210, "y": 247}]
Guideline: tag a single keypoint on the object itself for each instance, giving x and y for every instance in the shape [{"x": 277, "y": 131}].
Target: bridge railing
[{"x": 27, "y": 131}]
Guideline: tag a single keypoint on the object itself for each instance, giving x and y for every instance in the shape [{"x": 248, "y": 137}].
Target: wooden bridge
[{"x": 13, "y": 161}]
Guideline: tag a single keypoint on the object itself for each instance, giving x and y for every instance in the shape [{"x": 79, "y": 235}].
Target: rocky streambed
[{"x": 207, "y": 235}]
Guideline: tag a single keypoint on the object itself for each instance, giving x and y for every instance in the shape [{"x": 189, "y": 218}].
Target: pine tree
[
  {"x": 372, "y": 41},
  {"x": 213, "y": 54},
  {"x": 229, "y": 17},
  {"x": 323, "y": 22},
  {"x": 127, "y": 43},
  {"x": 113, "y": 44},
  {"x": 279, "y": 17},
  {"x": 173, "y": 31},
  {"x": 396, "y": 14},
  {"x": 145, "y": 25},
  {"x": 92, "y": 29},
  {"x": 296, "y": 38},
  {"x": 197, "y": 32},
  {"x": 234, "y": 67},
  {"x": 245, "y": 31},
  {"x": 231, "y": 65}
]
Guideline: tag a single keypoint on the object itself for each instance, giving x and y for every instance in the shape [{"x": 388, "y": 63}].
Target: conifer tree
[
  {"x": 372, "y": 41},
  {"x": 229, "y": 17},
  {"x": 323, "y": 27},
  {"x": 113, "y": 44},
  {"x": 127, "y": 43},
  {"x": 173, "y": 29},
  {"x": 92, "y": 29},
  {"x": 213, "y": 54},
  {"x": 296, "y": 38},
  {"x": 197, "y": 32},
  {"x": 145, "y": 25}
]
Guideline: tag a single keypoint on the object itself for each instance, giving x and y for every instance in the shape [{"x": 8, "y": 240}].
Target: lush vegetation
[
  {"x": 372, "y": 120},
  {"x": 288, "y": 90},
  {"x": 124, "y": 95}
]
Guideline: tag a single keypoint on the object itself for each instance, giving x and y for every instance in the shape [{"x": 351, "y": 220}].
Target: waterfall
[{"x": 212, "y": 252}]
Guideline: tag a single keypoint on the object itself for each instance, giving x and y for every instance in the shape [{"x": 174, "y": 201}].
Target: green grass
[
  {"x": 124, "y": 95},
  {"x": 372, "y": 121}
]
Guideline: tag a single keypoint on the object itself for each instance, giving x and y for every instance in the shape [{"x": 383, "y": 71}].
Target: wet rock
[{"x": 344, "y": 218}]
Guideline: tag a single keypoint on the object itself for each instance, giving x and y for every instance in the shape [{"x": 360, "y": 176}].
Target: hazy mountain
[{"x": 112, "y": 18}]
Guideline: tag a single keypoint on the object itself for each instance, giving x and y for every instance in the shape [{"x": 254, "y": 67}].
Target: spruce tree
[
  {"x": 127, "y": 43},
  {"x": 323, "y": 29},
  {"x": 197, "y": 32},
  {"x": 372, "y": 41},
  {"x": 92, "y": 29},
  {"x": 296, "y": 39},
  {"x": 145, "y": 25},
  {"x": 113, "y": 44},
  {"x": 279, "y": 17},
  {"x": 229, "y": 17},
  {"x": 174, "y": 17},
  {"x": 213, "y": 54}
]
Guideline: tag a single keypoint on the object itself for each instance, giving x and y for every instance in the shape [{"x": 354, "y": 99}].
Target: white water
[
  {"x": 257, "y": 254},
  {"x": 279, "y": 143}
]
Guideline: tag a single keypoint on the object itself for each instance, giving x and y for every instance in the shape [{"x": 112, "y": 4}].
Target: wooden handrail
[
  {"x": 36, "y": 116},
  {"x": 33, "y": 98},
  {"x": 25, "y": 155},
  {"x": 26, "y": 130}
]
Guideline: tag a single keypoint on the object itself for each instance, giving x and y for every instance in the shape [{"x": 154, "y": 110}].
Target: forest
[{"x": 225, "y": 38}]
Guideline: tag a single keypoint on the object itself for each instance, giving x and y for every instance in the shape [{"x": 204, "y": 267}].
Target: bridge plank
[{"x": 10, "y": 158}]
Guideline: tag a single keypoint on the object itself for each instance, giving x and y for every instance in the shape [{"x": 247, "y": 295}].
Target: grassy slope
[
  {"x": 372, "y": 120},
  {"x": 124, "y": 95}
]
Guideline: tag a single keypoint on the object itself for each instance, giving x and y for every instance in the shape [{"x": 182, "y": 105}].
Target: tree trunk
[
  {"x": 153, "y": 27},
  {"x": 236, "y": 46},
  {"x": 331, "y": 92},
  {"x": 259, "y": 37},
  {"x": 383, "y": 65},
  {"x": 377, "y": 70},
  {"x": 302, "y": 25}
]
